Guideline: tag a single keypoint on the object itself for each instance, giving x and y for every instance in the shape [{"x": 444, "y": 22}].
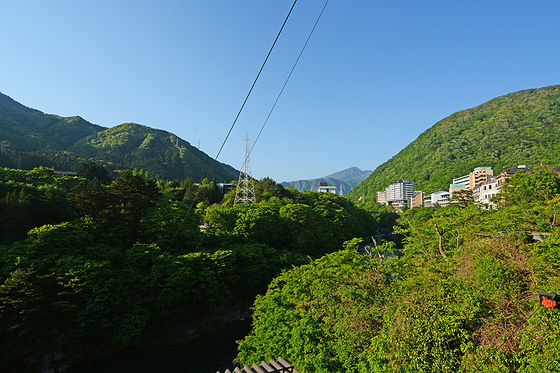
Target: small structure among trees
[{"x": 279, "y": 366}]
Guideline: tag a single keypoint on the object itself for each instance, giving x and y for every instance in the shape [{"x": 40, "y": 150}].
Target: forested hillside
[
  {"x": 88, "y": 268},
  {"x": 27, "y": 129},
  {"x": 45, "y": 140},
  {"x": 518, "y": 128},
  {"x": 461, "y": 296},
  {"x": 161, "y": 153}
]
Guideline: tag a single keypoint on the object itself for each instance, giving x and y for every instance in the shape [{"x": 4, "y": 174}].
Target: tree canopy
[
  {"x": 461, "y": 295},
  {"x": 89, "y": 268}
]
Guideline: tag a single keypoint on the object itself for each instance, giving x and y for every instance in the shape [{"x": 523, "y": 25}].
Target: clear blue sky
[{"x": 374, "y": 75}]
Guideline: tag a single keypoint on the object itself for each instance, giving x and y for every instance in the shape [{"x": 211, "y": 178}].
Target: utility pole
[{"x": 245, "y": 192}]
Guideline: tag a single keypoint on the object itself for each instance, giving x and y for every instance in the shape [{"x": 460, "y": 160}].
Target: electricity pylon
[{"x": 245, "y": 192}]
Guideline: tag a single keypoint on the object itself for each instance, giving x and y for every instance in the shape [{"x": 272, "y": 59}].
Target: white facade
[
  {"x": 325, "y": 188},
  {"x": 438, "y": 198},
  {"x": 400, "y": 190},
  {"x": 479, "y": 175},
  {"x": 381, "y": 197},
  {"x": 483, "y": 192},
  {"x": 397, "y": 194},
  {"x": 462, "y": 180}
]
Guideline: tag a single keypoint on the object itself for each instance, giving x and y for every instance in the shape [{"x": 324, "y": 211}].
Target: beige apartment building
[
  {"x": 417, "y": 199},
  {"x": 480, "y": 175}
]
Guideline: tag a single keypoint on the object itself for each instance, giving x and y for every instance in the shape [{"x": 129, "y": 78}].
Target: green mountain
[
  {"x": 64, "y": 143},
  {"x": 344, "y": 180},
  {"x": 27, "y": 129},
  {"x": 519, "y": 128},
  {"x": 159, "y": 152}
]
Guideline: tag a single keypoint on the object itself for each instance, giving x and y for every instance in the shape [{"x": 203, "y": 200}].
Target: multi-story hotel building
[{"x": 396, "y": 194}]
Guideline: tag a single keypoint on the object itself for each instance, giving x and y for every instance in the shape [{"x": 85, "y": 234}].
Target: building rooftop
[{"x": 279, "y": 366}]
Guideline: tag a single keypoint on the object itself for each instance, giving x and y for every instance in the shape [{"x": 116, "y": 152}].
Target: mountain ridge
[
  {"x": 65, "y": 142},
  {"x": 349, "y": 173}
]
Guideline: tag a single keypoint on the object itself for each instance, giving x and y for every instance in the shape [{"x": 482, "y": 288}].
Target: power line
[
  {"x": 283, "y": 161},
  {"x": 289, "y": 75},
  {"x": 217, "y": 155},
  {"x": 251, "y": 89}
]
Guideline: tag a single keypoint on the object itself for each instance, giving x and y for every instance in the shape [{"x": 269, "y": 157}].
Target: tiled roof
[{"x": 279, "y": 366}]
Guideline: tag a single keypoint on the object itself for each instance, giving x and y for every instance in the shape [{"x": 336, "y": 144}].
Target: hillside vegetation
[
  {"x": 90, "y": 268},
  {"x": 462, "y": 296},
  {"x": 64, "y": 143},
  {"x": 518, "y": 128}
]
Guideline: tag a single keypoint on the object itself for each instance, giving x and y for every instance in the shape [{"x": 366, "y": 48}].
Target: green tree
[
  {"x": 89, "y": 198},
  {"x": 321, "y": 317},
  {"x": 15, "y": 215},
  {"x": 267, "y": 188},
  {"x": 130, "y": 198},
  {"x": 90, "y": 170},
  {"x": 525, "y": 187}
]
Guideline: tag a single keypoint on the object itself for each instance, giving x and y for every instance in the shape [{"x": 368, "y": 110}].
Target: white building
[
  {"x": 324, "y": 187},
  {"x": 438, "y": 198},
  {"x": 483, "y": 193},
  {"x": 397, "y": 194},
  {"x": 381, "y": 197},
  {"x": 400, "y": 190},
  {"x": 479, "y": 175}
]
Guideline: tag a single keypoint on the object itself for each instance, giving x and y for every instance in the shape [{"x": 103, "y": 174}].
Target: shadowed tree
[
  {"x": 130, "y": 198},
  {"x": 91, "y": 170}
]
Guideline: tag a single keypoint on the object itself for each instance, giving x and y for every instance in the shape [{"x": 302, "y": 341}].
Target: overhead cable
[
  {"x": 289, "y": 76},
  {"x": 217, "y": 155}
]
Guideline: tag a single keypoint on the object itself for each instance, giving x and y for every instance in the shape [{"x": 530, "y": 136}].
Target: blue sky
[{"x": 374, "y": 75}]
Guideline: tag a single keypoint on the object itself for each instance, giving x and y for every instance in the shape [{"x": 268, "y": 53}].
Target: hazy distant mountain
[
  {"x": 64, "y": 143},
  {"x": 349, "y": 173},
  {"x": 344, "y": 181},
  {"x": 519, "y": 128}
]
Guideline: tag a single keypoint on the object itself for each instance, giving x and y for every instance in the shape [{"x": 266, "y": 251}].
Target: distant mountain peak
[
  {"x": 349, "y": 173},
  {"x": 344, "y": 180}
]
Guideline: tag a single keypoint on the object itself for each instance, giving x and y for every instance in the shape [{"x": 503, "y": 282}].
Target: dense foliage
[
  {"x": 65, "y": 143},
  {"x": 88, "y": 267},
  {"x": 518, "y": 128},
  {"x": 462, "y": 297}
]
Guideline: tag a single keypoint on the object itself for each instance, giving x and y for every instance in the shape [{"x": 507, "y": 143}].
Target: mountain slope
[
  {"x": 519, "y": 128},
  {"x": 64, "y": 143},
  {"x": 159, "y": 152},
  {"x": 29, "y": 129}
]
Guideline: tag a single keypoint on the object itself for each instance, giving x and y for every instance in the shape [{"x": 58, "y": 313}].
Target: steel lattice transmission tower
[{"x": 245, "y": 192}]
